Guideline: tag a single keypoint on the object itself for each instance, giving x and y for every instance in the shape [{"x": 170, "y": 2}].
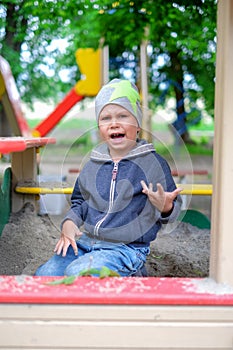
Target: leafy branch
[{"x": 102, "y": 273}]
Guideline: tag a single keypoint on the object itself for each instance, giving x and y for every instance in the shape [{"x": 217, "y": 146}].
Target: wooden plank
[
  {"x": 182, "y": 173},
  {"x": 221, "y": 261},
  {"x": 105, "y": 335},
  {"x": 24, "y": 168},
  {"x": 118, "y": 291},
  {"x": 8, "y": 145},
  {"x": 19, "y": 144},
  {"x": 107, "y": 327},
  {"x": 127, "y": 313}
]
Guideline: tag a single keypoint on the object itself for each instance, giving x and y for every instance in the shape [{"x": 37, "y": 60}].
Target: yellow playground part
[{"x": 188, "y": 189}]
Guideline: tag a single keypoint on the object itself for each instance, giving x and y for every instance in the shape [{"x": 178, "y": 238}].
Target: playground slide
[
  {"x": 10, "y": 99},
  {"x": 46, "y": 125},
  {"x": 89, "y": 62}
]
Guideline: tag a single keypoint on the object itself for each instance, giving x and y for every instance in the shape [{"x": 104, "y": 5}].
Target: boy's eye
[
  {"x": 105, "y": 118},
  {"x": 108, "y": 118}
]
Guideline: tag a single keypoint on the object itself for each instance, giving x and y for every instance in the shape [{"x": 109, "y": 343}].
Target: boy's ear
[{"x": 139, "y": 133}]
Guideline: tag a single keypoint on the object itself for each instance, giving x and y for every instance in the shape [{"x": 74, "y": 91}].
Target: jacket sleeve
[{"x": 173, "y": 215}]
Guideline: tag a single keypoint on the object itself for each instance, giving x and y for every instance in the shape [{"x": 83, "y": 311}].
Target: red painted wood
[
  {"x": 39, "y": 141},
  {"x": 182, "y": 173},
  {"x": 13, "y": 144},
  {"x": 13, "y": 98},
  {"x": 62, "y": 108},
  {"x": 122, "y": 290},
  {"x": 179, "y": 173},
  {"x": 74, "y": 171},
  {"x": 19, "y": 144}
]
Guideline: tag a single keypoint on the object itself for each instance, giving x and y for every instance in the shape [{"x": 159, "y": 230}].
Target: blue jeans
[{"x": 93, "y": 253}]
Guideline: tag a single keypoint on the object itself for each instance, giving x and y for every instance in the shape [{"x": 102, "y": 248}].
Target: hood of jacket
[{"x": 101, "y": 152}]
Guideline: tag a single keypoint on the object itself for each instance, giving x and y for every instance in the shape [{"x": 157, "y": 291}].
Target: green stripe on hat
[{"x": 124, "y": 89}]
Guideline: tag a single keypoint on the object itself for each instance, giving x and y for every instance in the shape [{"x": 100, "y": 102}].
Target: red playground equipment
[
  {"x": 89, "y": 62},
  {"x": 10, "y": 99},
  {"x": 90, "y": 65}
]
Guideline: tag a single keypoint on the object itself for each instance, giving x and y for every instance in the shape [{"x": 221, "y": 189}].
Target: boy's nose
[{"x": 114, "y": 122}]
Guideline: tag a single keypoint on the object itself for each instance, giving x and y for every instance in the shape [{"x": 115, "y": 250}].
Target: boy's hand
[
  {"x": 68, "y": 234},
  {"x": 162, "y": 200}
]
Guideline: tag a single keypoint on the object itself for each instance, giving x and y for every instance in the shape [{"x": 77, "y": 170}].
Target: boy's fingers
[
  {"x": 62, "y": 247},
  {"x": 78, "y": 233},
  {"x": 74, "y": 246},
  {"x": 144, "y": 186},
  {"x": 160, "y": 188},
  {"x": 177, "y": 191},
  {"x": 58, "y": 248},
  {"x": 65, "y": 248}
]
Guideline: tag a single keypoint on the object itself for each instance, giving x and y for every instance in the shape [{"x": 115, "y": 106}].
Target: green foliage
[
  {"x": 197, "y": 148},
  {"x": 66, "y": 280},
  {"x": 102, "y": 273},
  {"x": 187, "y": 31},
  {"x": 182, "y": 37},
  {"x": 200, "y": 149}
]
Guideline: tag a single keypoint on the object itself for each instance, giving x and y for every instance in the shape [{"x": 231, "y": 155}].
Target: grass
[
  {"x": 200, "y": 134},
  {"x": 66, "y": 124},
  {"x": 201, "y": 149}
]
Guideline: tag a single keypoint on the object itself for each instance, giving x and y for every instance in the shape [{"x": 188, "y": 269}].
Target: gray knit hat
[{"x": 122, "y": 93}]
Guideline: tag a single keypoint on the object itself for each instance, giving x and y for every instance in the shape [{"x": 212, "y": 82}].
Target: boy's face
[{"x": 118, "y": 128}]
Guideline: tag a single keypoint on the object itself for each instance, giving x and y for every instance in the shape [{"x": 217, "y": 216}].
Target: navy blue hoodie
[{"x": 108, "y": 200}]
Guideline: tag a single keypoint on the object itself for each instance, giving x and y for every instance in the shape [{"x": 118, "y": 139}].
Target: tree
[
  {"x": 181, "y": 32},
  {"x": 187, "y": 40},
  {"x": 29, "y": 31}
]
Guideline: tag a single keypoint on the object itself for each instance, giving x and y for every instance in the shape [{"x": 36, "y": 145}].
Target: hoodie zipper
[{"x": 111, "y": 198}]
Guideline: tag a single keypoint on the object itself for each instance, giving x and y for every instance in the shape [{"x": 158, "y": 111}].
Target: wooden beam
[
  {"x": 146, "y": 121},
  {"x": 110, "y": 327},
  {"x": 221, "y": 262},
  {"x": 23, "y": 164}
]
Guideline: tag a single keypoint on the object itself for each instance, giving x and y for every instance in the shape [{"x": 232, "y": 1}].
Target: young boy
[{"x": 121, "y": 198}]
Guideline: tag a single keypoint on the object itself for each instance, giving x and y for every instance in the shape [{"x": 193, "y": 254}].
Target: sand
[{"x": 28, "y": 241}]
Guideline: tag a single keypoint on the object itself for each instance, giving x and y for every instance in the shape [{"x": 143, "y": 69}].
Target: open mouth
[{"x": 117, "y": 136}]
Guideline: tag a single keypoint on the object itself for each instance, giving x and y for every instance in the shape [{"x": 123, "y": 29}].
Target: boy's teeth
[{"x": 116, "y": 135}]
